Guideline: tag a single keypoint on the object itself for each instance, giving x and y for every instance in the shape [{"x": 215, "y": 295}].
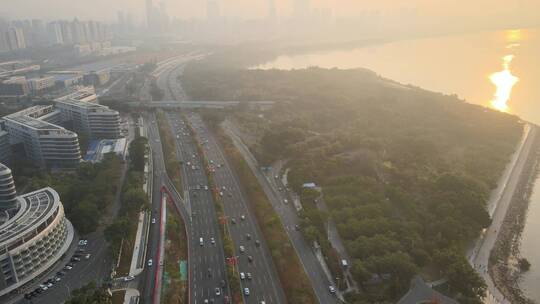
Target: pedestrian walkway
[{"x": 139, "y": 251}]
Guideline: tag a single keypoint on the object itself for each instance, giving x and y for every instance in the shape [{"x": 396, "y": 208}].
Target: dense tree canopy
[{"x": 404, "y": 172}]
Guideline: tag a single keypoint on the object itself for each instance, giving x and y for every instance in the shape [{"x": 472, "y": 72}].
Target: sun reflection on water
[{"x": 503, "y": 80}]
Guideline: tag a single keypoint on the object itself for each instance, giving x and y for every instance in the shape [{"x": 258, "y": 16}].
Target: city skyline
[{"x": 102, "y": 10}]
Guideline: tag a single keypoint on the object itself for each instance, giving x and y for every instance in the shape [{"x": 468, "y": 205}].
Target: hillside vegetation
[{"x": 406, "y": 173}]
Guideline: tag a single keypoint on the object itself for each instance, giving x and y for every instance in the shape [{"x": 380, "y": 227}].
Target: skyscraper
[
  {"x": 150, "y": 15},
  {"x": 272, "y": 10},
  {"x": 212, "y": 10}
]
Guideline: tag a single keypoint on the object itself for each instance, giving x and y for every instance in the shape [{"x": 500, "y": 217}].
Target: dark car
[{"x": 257, "y": 243}]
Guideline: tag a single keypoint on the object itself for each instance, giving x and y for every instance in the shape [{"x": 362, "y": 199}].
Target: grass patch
[
  {"x": 176, "y": 290},
  {"x": 295, "y": 282},
  {"x": 118, "y": 297}
]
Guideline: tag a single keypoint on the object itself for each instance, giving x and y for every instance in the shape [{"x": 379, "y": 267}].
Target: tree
[
  {"x": 360, "y": 272},
  {"x": 90, "y": 294}
]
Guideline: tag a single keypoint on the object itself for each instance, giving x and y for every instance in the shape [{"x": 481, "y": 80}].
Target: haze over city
[{"x": 269, "y": 152}]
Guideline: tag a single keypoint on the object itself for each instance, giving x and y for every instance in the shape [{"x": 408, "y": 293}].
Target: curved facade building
[
  {"x": 33, "y": 239},
  {"x": 8, "y": 193}
]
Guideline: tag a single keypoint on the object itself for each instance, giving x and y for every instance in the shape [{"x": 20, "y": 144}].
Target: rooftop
[{"x": 35, "y": 208}]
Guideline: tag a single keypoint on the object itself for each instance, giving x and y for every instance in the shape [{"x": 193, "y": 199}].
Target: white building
[
  {"x": 33, "y": 239},
  {"x": 46, "y": 144},
  {"x": 95, "y": 120}
]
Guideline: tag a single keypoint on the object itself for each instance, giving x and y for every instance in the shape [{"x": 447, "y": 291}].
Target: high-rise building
[
  {"x": 78, "y": 32},
  {"x": 45, "y": 144},
  {"x": 8, "y": 193},
  {"x": 212, "y": 10},
  {"x": 15, "y": 38},
  {"x": 67, "y": 32},
  {"x": 272, "y": 14},
  {"x": 54, "y": 31}
]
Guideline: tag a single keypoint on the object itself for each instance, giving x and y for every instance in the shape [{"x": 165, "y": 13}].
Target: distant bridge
[{"x": 174, "y": 104}]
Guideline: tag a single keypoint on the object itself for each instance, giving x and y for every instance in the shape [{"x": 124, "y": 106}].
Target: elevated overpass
[{"x": 174, "y": 104}]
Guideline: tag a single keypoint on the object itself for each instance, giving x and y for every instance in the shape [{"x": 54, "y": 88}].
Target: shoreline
[{"x": 505, "y": 254}]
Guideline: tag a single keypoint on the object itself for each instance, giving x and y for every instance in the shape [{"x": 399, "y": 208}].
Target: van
[{"x": 201, "y": 241}]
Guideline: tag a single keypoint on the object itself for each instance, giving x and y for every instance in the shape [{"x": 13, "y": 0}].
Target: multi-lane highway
[{"x": 250, "y": 248}]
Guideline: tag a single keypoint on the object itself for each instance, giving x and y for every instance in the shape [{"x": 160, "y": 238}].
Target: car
[
  {"x": 129, "y": 278},
  {"x": 222, "y": 283},
  {"x": 246, "y": 291},
  {"x": 153, "y": 220},
  {"x": 257, "y": 243},
  {"x": 218, "y": 291},
  {"x": 67, "y": 267},
  {"x": 150, "y": 262},
  {"x": 263, "y": 302},
  {"x": 213, "y": 241},
  {"x": 224, "y": 188},
  {"x": 286, "y": 201},
  {"x": 71, "y": 264},
  {"x": 243, "y": 217},
  {"x": 27, "y": 296},
  {"x": 83, "y": 242},
  {"x": 248, "y": 236},
  {"x": 297, "y": 227},
  {"x": 205, "y": 187},
  {"x": 276, "y": 177},
  {"x": 60, "y": 273},
  {"x": 248, "y": 275},
  {"x": 250, "y": 259},
  {"x": 242, "y": 249},
  {"x": 221, "y": 193},
  {"x": 49, "y": 285},
  {"x": 38, "y": 290},
  {"x": 233, "y": 220},
  {"x": 43, "y": 287},
  {"x": 87, "y": 256},
  {"x": 242, "y": 276},
  {"x": 201, "y": 241},
  {"x": 75, "y": 259},
  {"x": 331, "y": 289},
  {"x": 229, "y": 194},
  {"x": 206, "y": 301},
  {"x": 57, "y": 279},
  {"x": 209, "y": 271}
]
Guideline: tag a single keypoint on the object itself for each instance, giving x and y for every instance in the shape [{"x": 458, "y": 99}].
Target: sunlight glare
[{"x": 504, "y": 81}]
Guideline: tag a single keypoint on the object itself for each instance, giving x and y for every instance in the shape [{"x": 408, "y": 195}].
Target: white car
[
  {"x": 83, "y": 242},
  {"x": 242, "y": 249},
  {"x": 218, "y": 291},
  {"x": 153, "y": 220},
  {"x": 246, "y": 291},
  {"x": 331, "y": 289},
  {"x": 129, "y": 278},
  {"x": 213, "y": 241},
  {"x": 242, "y": 276},
  {"x": 286, "y": 201},
  {"x": 150, "y": 263}
]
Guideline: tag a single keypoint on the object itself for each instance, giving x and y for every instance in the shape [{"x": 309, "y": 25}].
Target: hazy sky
[{"x": 107, "y": 9}]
